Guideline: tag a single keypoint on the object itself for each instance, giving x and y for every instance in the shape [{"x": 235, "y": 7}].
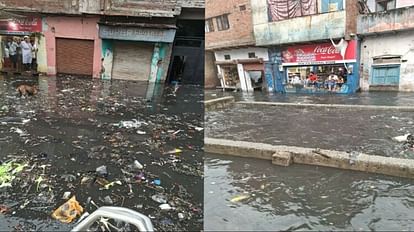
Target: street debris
[
  {"x": 67, "y": 212},
  {"x": 402, "y": 138},
  {"x": 239, "y": 198},
  {"x": 98, "y": 142}
]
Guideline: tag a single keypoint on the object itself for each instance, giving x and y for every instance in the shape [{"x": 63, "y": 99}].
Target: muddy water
[
  {"x": 71, "y": 132},
  {"x": 302, "y": 198},
  {"x": 365, "y": 131}
]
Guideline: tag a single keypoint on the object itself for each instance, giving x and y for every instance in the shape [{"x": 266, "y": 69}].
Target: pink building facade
[{"x": 72, "y": 43}]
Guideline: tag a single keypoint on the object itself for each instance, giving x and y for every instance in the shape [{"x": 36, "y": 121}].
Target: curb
[
  {"x": 362, "y": 107},
  {"x": 287, "y": 155},
  {"x": 218, "y": 103}
]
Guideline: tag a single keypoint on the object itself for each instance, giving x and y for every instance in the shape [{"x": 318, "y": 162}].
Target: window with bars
[{"x": 222, "y": 22}]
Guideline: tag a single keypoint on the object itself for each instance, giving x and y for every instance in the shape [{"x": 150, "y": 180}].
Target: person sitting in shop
[
  {"x": 332, "y": 80},
  {"x": 313, "y": 79}
]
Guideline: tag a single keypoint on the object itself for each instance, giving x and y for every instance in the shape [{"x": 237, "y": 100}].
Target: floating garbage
[
  {"x": 102, "y": 171},
  {"x": 67, "y": 212},
  {"x": 108, "y": 200},
  {"x": 159, "y": 198},
  {"x": 401, "y": 138},
  {"x": 109, "y": 185},
  {"x": 66, "y": 195},
  {"x": 175, "y": 151},
  {"x": 130, "y": 124},
  {"x": 165, "y": 207},
  {"x": 157, "y": 182},
  {"x": 239, "y": 198},
  {"x": 18, "y": 131},
  {"x": 138, "y": 165},
  {"x": 8, "y": 171},
  {"x": 4, "y": 209},
  {"x": 141, "y": 132}
]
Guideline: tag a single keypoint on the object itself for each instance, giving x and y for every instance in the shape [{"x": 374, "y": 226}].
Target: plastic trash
[
  {"x": 138, "y": 165},
  {"x": 401, "y": 138},
  {"x": 239, "y": 198},
  {"x": 175, "y": 151},
  {"x": 66, "y": 195},
  {"x": 157, "y": 182},
  {"x": 102, "y": 171},
  {"x": 67, "y": 212},
  {"x": 165, "y": 207},
  {"x": 159, "y": 198}
]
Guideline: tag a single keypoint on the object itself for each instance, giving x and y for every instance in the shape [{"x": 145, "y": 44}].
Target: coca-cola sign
[{"x": 318, "y": 53}]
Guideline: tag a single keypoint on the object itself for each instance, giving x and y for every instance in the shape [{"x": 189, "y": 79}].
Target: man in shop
[
  {"x": 332, "y": 80},
  {"x": 12, "y": 44},
  {"x": 26, "y": 53},
  {"x": 34, "y": 55},
  {"x": 313, "y": 79}
]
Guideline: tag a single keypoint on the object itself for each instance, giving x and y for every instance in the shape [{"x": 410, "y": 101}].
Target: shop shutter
[
  {"x": 74, "y": 56},
  {"x": 132, "y": 60}
]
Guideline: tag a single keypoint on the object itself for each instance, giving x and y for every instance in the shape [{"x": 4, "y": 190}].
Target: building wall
[
  {"x": 73, "y": 28},
  {"x": 398, "y": 4},
  {"x": 242, "y": 53},
  {"x": 210, "y": 72},
  {"x": 241, "y": 28},
  {"x": 392, "y": 20},
  {"x": 299, "y": 29},
  {"x": 45, "y": 6},
  {"x": 402, "y": 44}
]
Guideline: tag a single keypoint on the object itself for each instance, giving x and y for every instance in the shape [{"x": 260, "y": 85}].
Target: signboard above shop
[
  {"x": 20, "y": 26},
  {"x": 316, "y": 54},
  {"x": 137, "y": 34}
]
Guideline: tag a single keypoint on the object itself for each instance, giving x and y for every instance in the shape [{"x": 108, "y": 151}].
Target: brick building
[
  {"x": 232, "y": 57},
  {"x": 308, "y": 36},
  {"x": 120, "y": 39},
  {"x": 387, "y": 48}
]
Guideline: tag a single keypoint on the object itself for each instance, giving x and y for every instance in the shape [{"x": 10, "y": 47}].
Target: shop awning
[{"x": 240, "y": 61}]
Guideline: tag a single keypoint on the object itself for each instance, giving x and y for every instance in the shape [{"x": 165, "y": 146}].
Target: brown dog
[{"x": 25, "y": 90}]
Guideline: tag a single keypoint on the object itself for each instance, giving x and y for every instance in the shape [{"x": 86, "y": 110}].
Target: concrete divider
[
  {"x": 303, "y": 105},
  {"x": 218, "y": 103},
  {"x": 286, "y": 155}
]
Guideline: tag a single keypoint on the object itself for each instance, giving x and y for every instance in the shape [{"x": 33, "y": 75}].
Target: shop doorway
[
  {"x": 178, "y": 67},
  {"x": 328, "y": 78}
]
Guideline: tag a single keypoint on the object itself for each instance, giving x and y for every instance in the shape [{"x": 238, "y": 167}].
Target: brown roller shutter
[
  {"x": 132, "y": 60},
  {"x": 74, "y": 56}
]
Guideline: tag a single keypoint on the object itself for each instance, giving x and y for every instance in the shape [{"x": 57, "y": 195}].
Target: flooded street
[
  {"x": 363, "y": 98},
  {"x": 367, "y": 131},
  {"x": 107, "y": 143},
  {"x": 250, "y": 194}
]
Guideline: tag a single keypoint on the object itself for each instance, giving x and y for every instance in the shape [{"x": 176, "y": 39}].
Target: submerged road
[
  {"x": 73, "y": 137},
  {"x": 250, "y": 194}
]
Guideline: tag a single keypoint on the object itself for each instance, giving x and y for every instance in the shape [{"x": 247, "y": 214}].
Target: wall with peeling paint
[
  {"x": 401, "y": 43},
  {"x": 294, "y": 30},
  {"x": 377, "y": 22}
]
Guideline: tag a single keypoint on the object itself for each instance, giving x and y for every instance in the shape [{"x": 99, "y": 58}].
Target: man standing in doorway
[
  {"x": 26, "y": 53},
  {"x": 13, "y": 52},
  {"x": 34, "y": 55}
]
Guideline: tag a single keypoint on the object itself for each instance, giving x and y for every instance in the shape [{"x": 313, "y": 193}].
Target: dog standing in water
[{"x": 26, "y": 90}]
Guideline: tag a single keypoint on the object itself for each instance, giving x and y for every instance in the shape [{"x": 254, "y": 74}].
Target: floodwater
[
  {"x": 269, "y": 197},
  {"x": 70, "y": 129},
  {"x": 363, "y": 98},
  {"x": 367, "y": 131}
]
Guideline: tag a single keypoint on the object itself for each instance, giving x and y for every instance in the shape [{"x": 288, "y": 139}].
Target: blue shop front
[{"x": 314, "y": 68}]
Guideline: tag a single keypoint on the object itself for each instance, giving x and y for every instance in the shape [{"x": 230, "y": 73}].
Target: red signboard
[
  {"x": 318, "y": 53},
  {"x": 21, "y": 25}
]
